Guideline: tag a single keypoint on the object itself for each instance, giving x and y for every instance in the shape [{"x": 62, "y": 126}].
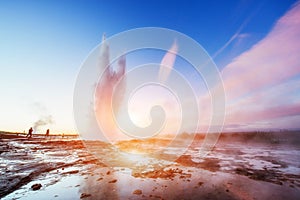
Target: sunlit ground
[{"x": 239, "y": 167}]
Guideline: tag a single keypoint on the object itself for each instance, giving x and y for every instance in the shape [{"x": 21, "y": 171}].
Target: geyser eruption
[
  {"x": 105, "y": 90},
  {"x": 151, "y": 100},
  {"x": 113, "y": 89},
  {"x": 167, "y": 63}
]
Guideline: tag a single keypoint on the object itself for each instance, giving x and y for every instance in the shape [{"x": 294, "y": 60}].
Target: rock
[
  {"x": 36, "y": 186},
  {"x": 113, "y": 181},
  {"x": 107, "y": 173},
  {"x": 200, "y": 183},
  {"x": 71, "y": 172},
  {"x": 159, "y": 173},
  {"x": 84, "y": 195},
  {"x": 137, "y": 192}
]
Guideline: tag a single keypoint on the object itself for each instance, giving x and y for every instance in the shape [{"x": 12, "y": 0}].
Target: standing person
[
  {"x": 47, "y": 133},
  {"x": 29, "y": 132}
]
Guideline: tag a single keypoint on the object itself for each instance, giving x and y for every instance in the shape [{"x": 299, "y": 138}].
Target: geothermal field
[
  {"x": 172, "y": 100},
  {"x": 257, "y": 165}
]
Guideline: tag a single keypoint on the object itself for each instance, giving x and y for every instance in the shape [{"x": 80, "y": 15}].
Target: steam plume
[
  {"x": 167, "y": 63},
  {"x": 43, "y": 121}
]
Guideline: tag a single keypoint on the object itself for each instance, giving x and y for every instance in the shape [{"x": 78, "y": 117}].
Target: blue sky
[{"x": 43, "y": 43}]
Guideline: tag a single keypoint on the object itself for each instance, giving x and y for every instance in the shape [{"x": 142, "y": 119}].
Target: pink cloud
[
  {"x": 273, "y": 60},
  {"x": 258, "y": 83},
  {"x": 272, "y": 112}
]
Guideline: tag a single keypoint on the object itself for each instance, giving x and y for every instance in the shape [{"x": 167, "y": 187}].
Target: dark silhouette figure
[
  {"x": 47, "y": 133},
  {"x": 29, "y": 132}
]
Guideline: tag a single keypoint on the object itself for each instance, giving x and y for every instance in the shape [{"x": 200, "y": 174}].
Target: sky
[{"x": 254, "y": 44}]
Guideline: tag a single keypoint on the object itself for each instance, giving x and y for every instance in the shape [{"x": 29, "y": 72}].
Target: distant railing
[{"x": 38, "y": 135}]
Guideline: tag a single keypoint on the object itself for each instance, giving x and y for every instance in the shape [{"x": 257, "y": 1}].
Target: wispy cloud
[
  {"x": 167, "y": 63},
  {"x": 272, "y": 60},
  {"x": 266, "y": 71},
  {"x": 238, "y": 35}
]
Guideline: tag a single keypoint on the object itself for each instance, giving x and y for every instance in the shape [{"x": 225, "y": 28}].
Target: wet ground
[{"x": 67, "y": 170}]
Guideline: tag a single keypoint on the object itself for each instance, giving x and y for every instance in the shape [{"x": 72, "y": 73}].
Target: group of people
[{"x": 30, "y": 131}]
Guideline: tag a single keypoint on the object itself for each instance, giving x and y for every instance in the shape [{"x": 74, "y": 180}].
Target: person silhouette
[
  {"x": 29, "y": 132},
  {"x": 47, "y": 133}
]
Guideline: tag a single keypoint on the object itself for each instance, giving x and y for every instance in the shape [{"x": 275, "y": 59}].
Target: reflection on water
[{"x": 67, "y": 170}]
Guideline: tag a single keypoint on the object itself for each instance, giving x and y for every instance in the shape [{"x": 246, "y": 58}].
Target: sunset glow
[
  {"x": 257, "y": 56},
  {"x": 150, "y": 99}
]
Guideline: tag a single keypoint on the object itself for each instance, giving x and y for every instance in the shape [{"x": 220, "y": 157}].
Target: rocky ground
[{"x": 45, "y": 169}]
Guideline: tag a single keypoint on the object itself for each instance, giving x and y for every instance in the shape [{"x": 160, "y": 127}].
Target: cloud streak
[
  {"x": 272, "y": 60},
  {"x": 265, "y": 71},
  {"x": 167, "y": 63}
]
